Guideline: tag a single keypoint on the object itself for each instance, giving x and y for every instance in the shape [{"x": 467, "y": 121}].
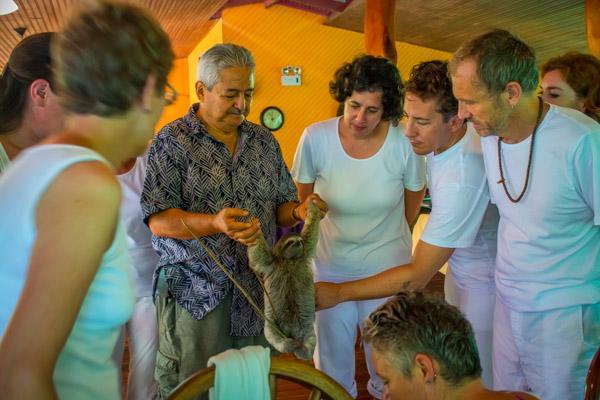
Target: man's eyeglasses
[{"x": 170, "y": 94}]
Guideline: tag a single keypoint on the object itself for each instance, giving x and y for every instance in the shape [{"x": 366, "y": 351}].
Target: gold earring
[{"x": 432, "y": 380}]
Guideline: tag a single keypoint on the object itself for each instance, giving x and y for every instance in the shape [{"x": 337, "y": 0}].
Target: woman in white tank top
[{"x": 65, "y": 290}]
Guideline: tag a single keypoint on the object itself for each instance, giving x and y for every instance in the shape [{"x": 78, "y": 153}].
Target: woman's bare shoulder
[{"x": 82, "y": 187}]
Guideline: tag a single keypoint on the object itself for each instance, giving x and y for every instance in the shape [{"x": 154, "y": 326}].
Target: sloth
[{"x": 288, "y": 282}]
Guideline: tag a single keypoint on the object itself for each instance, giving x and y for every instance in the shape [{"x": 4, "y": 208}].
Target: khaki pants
[{"x": 186, "y": 344}]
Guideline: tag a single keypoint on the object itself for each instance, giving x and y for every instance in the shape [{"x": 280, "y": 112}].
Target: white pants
[
  {"x": 546, "y": 352},
  {"x": 142, "y": 333},
  {"x": 478, "y": 308},
  {"x": 336, "y": 330}
]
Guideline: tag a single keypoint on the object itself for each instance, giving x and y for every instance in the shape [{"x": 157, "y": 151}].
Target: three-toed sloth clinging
[{"x": 288, "y": 279}]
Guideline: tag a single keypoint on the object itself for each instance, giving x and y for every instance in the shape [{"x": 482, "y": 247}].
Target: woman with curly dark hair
[
  {"x": 363, "y": 166},
  {"x": 573, "y": 80}
]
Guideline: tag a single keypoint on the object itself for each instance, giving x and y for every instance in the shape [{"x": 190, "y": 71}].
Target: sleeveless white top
[{"x": 85, "y": 368}]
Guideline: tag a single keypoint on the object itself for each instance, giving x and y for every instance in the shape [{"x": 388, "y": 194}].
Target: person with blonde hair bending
[{"x": 424, "y": 349}]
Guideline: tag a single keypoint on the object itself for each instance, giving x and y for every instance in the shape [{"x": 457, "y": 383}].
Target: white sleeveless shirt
[{"x": 84, "y": 369}]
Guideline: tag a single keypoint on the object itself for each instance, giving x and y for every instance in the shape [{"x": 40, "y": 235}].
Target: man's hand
[
  {"x": 327, "y": 295},
  {"x": 249, "y": 236},
  {"x": 227, "y": 222},
  {"x": 316, "y": 200}
]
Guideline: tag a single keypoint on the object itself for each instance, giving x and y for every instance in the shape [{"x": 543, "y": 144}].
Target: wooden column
[
  {"x": 592, "y": 22},
  {"x": 380, "y": 28}
]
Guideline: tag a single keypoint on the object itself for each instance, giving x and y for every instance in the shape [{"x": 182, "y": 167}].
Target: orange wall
[
  {"x": 183, "y": 77},
  {"x": 278, "y": 36},
  {"x": 178, "y": 78},
  {"x": 214, "y": 36}
]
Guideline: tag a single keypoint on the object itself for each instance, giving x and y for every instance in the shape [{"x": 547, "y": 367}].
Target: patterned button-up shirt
[{"x": 190, "y": 170}]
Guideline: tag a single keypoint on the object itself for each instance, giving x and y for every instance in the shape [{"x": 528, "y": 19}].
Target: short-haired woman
[{"x": 65, "y": 288}]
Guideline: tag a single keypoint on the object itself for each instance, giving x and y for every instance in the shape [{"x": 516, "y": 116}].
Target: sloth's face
[{"x": 292, "y": 247}]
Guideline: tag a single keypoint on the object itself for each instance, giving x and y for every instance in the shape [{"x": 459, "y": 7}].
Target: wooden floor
[{"x": 292, "y": 391}]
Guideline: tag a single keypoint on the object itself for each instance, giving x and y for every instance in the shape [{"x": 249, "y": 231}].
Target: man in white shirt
[
  {"x": 543, "y": 170},
  {"x": 142, "y": 328},
  {"x": 462, "y": 226}
]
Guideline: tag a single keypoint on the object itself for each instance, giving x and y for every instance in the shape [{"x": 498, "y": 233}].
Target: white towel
[{"x": 241, "y": 374}]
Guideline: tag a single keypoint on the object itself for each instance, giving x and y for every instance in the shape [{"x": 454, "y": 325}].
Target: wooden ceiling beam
[
  {"x": 592, "y": 23},
  {"x": 380, "y": 28}
]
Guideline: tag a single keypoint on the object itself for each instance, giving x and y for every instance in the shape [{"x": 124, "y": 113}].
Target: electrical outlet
[{"x": 291, "y": 80}]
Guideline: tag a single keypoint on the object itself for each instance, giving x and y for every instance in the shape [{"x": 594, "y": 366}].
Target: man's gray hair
[
  {"x": 413, "y": 322},
  {"x": 221, "y": 56},
  {"x": 501, "y": 57}
]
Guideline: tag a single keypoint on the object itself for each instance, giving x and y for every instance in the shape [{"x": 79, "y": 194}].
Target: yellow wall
[
  {"x": 178, "y": 78},
  {"x": 183, "y": 77},
  {"x": 279, "y": 36},
  {"x": 214, "y": 36}
]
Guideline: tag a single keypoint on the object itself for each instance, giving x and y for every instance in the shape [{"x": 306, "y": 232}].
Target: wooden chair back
[
  {"x": 592, "y": 381},
  {"x": 320, "y": 384}
]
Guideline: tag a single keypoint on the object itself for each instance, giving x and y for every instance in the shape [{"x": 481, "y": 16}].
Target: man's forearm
[
  {"x": 285, "y": 214},
  {"x": 427, "y": 260},
  {"x": 384, "y": 284},
  {"x": 412, "y": 204},
  {"x": 168, "y": 223}
]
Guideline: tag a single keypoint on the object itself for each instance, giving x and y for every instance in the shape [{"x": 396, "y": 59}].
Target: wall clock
[{"x": 272, "y": 118}]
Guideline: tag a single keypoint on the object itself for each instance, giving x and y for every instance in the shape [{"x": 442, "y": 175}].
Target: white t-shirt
[
  {"x": 365, "y": 229},
  {"x": 549, "y": 242},
  {"x": 139, "y": 238},
  {"x": 461, "y": 214}
]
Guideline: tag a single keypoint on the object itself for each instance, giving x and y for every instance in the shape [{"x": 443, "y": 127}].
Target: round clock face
[{"x": 272, "y": 118}]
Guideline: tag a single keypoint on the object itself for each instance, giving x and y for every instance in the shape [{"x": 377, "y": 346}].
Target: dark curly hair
[
  {"x": 371, "y": 73},
  {"x": 582, "y": 73},
  {"x": 429, "y": 80}
]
